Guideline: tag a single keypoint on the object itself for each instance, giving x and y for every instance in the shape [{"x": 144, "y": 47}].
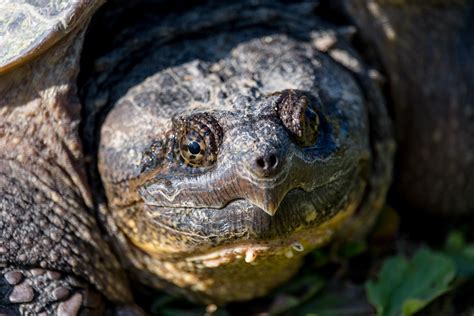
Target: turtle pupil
[{"x": 194, "y": 148}]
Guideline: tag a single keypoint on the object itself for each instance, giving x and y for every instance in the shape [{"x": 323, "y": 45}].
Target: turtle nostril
[
  {"x": 267, "y": 163},
  {"x": 261, "y": 163},
  {"x": 273, "y": 161}
]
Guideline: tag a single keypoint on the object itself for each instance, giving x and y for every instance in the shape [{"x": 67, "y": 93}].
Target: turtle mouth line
[
  {"x": 267, "y": 200},
  {"x": 232, "y": 201}
]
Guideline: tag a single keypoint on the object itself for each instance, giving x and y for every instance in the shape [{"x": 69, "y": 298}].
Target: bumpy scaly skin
[
  {"x": 203, "y": 229},
  {"x": 43, "y": 292},
  {"x": 52, "y": 255}
]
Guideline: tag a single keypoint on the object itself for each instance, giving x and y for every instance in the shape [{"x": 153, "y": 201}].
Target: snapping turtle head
[{"x": 221, "y": 182}]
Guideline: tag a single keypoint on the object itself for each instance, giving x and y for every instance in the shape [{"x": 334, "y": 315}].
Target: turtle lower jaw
[
  {"x": 237, "y": 271},
  {"x": 299, "y": 242}
]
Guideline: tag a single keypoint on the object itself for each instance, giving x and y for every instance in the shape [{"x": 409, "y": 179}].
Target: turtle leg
[{"x": 36, "y": 291}]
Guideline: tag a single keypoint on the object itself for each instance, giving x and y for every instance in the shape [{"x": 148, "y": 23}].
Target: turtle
[{"x": 206, "y": 148}]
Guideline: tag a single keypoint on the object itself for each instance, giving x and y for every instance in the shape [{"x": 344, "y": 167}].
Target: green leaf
[
  {"x": 461, "y": 253},
  {"x": 455, "y": 241},
  {"x": 411, "y": 306},
  {"x": 406, "y": 286}
]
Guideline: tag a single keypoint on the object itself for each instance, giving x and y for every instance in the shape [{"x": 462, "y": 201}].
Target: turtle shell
[{"x": 29, "y": 27}]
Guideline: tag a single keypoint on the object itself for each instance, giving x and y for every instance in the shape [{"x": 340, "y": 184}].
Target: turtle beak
[
  {"x": 267, "y": 199},
  {"x": 269, "y": 207}
]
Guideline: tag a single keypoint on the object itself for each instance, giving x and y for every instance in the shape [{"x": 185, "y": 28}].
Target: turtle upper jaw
[{"x": 266, "y": 198}]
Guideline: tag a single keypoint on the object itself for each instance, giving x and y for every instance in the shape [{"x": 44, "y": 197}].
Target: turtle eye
[
  {"x": 193, "y": 148},
  {"x": 310, "y": 125},
  {"x": 199, "y": 139},
  {"x": 299, "y": 116}
]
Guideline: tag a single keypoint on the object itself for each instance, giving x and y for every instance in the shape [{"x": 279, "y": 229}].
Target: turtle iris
[
  {"x": 193, "y": 148},
  {"x": 199, "y": 137},
  {"x": 310, "y": 123}
]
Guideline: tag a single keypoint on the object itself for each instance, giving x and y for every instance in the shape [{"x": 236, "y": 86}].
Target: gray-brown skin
[
  {"x": 53, "y": 258},
  {"x": 282, "y": 117}
]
